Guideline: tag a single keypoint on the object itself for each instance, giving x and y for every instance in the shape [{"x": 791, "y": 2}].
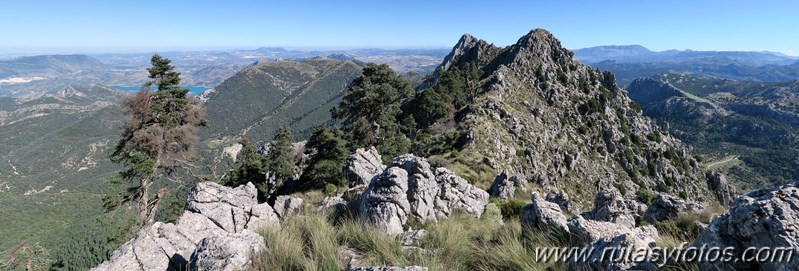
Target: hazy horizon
[
  {"x": 12, "y": 52},
  {"x": 29, "y": 26}
]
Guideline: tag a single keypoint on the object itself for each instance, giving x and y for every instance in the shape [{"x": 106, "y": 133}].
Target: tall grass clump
[
  {"x": 314, "y": 240},
  {"x": 302, "y": 242}
]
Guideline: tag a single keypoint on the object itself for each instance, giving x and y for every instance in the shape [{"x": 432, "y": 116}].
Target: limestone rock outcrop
[
  {"x": 217, "y": 228},
  {"x": 286, "y": 205},
  {"x": 543, "y": 215},
  {"x": 385, "y": 204},
  {"x": 410, "y": 187},
  {"x": 725, "y": 192},
  {"x": 456, "y": 194},
  {"x": 611, "y": 224},
  {"x": 668, "y": 207},
  {"x": 637, "y": 241},
  {"x": 504, "y": 187},
  {"x": 760, "y": 219},
  {"x": 362, "y": 166},
  {"x": 562, "y": 199},
  {"x": 226, "y": 252},
  {"x": 610, "y": 206}
]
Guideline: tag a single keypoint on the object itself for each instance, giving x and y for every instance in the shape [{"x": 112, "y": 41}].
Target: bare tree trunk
[
  {"x": 144, "y": 201},
  {"x": 146, "y": 212},
  {"x": 152, "y": 207}
]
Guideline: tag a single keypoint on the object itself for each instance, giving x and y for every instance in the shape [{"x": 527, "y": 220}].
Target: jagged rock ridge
[{"x": 545, "y": 118}]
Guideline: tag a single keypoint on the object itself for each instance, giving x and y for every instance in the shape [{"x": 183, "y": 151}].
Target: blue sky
[{"x": 146, "y": 25}]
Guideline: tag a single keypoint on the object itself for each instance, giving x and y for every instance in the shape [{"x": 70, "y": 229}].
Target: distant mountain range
[
  {"x": 53, "y": 64},
  {"x": 401, "y": 60},
  {"x": 634, "y": 61},
  {"x": 638, "y": 53},
  {"x": 30, "y": 77}
]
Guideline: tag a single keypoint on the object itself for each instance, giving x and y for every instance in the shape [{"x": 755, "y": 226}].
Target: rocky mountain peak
[
  {"x": 538, "y": 38},
  {"x": 468, "y": 49},
  {"x": 545, "y": 118}
]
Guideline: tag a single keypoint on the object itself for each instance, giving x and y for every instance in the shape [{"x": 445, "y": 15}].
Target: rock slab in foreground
[
  {"x": 217, "y": 228},
  {"x": 764, "y": 218},
  {"x": 385, "y": 204}
]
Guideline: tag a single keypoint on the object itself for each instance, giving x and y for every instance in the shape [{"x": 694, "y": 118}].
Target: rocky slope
[
  {"x": 217, "y": 231},
  {"x": 543, "y": 117}
]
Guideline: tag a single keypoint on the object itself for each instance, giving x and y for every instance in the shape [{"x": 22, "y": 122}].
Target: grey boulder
[
  {"x": 761, "y": 219},
  {"x": 409, "y": 187},
  {"x": 227, "y": 252},
  {"x": 725, "y": 192},
  {"x": 362, "y": 166},
  {"x": 504, "y": 187},
  {"x": 669, "y": 207},
  {"x": 543, "y": 215},
  {"x": 286, "y": 205},
  {"x": 621, "y": 252},
  {"x": 213, "y": 211},
  {"x": 610, "y": 206},
  {"x": 385, "y": 204}
]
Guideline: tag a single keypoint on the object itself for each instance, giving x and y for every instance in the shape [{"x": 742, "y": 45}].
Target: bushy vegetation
[
  {"x": 281, "y": 159},
  {"x": 267, "y": 171},
  {"x": 327, "y": 149},
  {"x": 455, "y": 89},
  {"x": 381, "y": 109},
  {"x": 645, "y": 196},
  {"x": 250, "y": 166},
  {"x": 511, "y": 208}
]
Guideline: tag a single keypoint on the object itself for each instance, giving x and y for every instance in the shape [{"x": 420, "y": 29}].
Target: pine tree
[
  {"x": 250, "y": 166},
  {"x": 157, "y": 138},
  {"x": 371, "y": 109},
  {"x": 328, "y": 150},
  {"x": 280, "y": 161}
]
